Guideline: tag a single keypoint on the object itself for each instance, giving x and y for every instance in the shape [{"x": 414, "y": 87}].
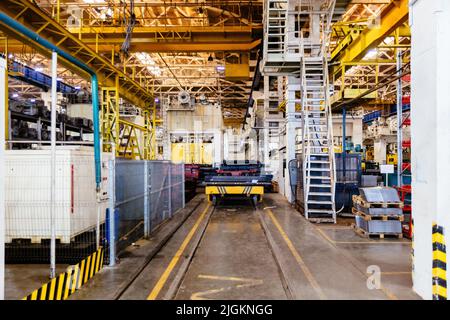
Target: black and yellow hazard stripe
[
  {"x": 247, "y": 190},
  {"x": 66, "y": 283},
  {"x": 439, "y": 264}
]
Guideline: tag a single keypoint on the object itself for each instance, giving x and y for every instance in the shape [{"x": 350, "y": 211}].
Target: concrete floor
[
  {"x": 337, "y": 259},
  {"x": 235, "y": 252},
  {"x": 22, "y": 279}
]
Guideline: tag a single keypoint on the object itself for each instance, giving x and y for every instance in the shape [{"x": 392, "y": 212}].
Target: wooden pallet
[
  {"x": 363, "y": 233},
  {"x": 321, "y": 220},
  {"x": 383, "y": 217},
  {"x": 365, "y": 204}
]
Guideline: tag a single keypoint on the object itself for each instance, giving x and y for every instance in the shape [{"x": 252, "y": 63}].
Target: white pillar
[
  {"x": 53, "y": 166},
  {"x": 430, "y": 132},
  {"x": 292, "y": 123},
  {"x": 379, "y": 150},
  {"x": 266, "y": 149},
  {"x": 218, "y": 147},
  {"x": 3, "y": 97}
]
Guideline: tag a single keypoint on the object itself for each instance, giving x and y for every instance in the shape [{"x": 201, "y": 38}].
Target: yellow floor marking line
[
  {"x": 325, "y": 236},
  {"x": 225, "y": 278},
  {"x": 389, "y": 294},
  {"x": 163, "y": 279},
  {"x": 297, "y": 257},
  {"x": 247, "y": 283}
]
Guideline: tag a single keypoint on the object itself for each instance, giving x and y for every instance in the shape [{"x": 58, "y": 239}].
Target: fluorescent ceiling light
[
  {"x": 371, "y": 54},
  {"x": 150, "y": 64}
]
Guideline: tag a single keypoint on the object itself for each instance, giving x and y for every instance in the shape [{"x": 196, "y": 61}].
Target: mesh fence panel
[
  {"x": 146, "y": 193},
  {"x": 159, "y": 192},
  {"x": 177, "y": 186},
  {"x": 135, "y": 207},
  {"x": 130, "y": 196}
]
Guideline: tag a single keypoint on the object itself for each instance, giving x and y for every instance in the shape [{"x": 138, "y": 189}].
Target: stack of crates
[{"x": 378, "y": 212}]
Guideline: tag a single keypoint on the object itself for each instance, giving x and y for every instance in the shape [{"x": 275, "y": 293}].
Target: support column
[
  {"x": 53, "y": 167},
  {"x": 266, "y": 148},
  {"x": 266, "y": 122},
  {"x": 218, "y": 147},
  {"x": 292, "y": 124},
  {"x": 3, "y": 111},
  {"x": 430, "y": 135},
  {"x": 379, "y": 150}
]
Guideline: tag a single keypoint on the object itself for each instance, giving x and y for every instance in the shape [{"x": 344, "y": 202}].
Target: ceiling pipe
[{"x": 13, "y": 24}]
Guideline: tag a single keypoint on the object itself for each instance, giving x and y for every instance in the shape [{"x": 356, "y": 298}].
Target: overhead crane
[
  {"x": 354, "y": 47},
  {"x": 355, "y": 42}
]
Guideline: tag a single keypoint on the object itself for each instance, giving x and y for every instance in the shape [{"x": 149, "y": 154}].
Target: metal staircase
[
  {"x": 317, "y": 142},
  {"x": 276, "y": 20},
  {"x": 279, "y": 35},
  {"x": 317, "y": 129}
]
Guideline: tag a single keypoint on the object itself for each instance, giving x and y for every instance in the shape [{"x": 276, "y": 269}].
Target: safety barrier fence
[
  {"x": 142, "y": 194},
  {"x": 145, "y": 194}
]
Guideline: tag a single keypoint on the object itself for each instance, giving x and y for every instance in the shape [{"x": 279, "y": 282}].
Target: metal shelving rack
[{"x": 41, "y": 122}]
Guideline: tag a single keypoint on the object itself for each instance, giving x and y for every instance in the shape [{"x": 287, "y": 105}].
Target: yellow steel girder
[
  {"x": 106, "y": 45},
  {"x": 393, "y": 16},
  {"x": 154, "y": 30}
]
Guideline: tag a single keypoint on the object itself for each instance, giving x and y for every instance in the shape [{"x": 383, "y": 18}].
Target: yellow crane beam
[
  {"x": 144, "y": 45},
  {"x": 152, "y": 30},
  {"x": 107, "y": 46},
  {"x": 357, "y": 45},
  {"x": 30, "y": 15}
]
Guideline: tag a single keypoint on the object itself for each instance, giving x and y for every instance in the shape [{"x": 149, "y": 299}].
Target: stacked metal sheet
[{"x": 378, "y": 211}]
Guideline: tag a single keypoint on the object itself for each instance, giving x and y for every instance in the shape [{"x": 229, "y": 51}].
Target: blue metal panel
[
  {"x": 39, "y": 79},
  {"x": 377, "y": 114}
]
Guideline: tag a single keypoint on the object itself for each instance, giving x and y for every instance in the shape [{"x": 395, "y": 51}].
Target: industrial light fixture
[
  {"x": 156, "y": 99},
  {"x": 371, "y": 54},
  {"x": 220, "y": 68},
  {"x": 150, "y": 64},
  {"x": 210, "y": 58},
  {"x": 15, "y": 95}
]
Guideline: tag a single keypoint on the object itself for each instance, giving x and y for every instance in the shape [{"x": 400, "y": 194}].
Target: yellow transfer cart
[{"x": 218, "y": 188}]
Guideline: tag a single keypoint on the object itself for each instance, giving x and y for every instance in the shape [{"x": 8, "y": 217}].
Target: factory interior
[{"x": 224, "y": 150}]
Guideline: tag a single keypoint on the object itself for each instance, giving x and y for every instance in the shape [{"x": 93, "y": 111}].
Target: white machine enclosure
[{"x": 28, "y": 206}]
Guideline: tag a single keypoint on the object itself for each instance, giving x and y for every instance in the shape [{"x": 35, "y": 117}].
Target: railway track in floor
[{"x": 222, "y": 252}]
